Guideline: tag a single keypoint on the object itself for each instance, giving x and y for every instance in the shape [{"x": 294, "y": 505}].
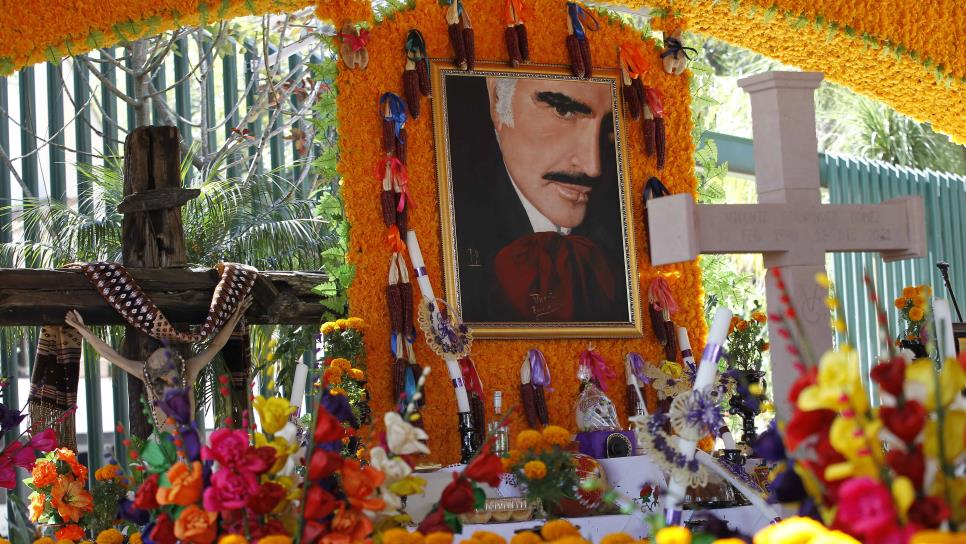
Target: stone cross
[{"x": 789, "y": 225}]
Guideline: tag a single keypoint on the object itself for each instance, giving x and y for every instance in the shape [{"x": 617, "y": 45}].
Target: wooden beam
[{"x": 43, "y": 297}]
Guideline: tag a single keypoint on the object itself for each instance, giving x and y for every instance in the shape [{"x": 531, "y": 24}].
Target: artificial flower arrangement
[
  {"x": 881, "y": 474},
  {"x": 59, "y": 495},
  {"x": 23, "y": 451},
  {"x": 344, "y": 369},
  {"x": 542, "y": 466},
  {"x": 746, "y": 342},
  {"x": 913, "y": 306}
]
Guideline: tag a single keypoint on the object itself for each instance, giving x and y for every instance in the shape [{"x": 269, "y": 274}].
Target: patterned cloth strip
[
  {"x": 116, "y": 285},
  {"x": 53, "y": 383}
]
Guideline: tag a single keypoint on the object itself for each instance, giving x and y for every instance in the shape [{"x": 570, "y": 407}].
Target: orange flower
[
  {"x": 530, "y": 440},
  {"x": 194, "y": 525},
  {"x": 909, "y": 291},
  {"x": 360, "y": 483},
  {"x": 916, "y": 314},
  {"x": 185, "y": 485},
  {"x": 901, "y": 302},
  {"x": 37, "y": 503},
  {"x": 351, "y": 523},
  {"x": 734, "y": 323},
  {"x": 742, "y": 325},
  {"x": 332, "y": 375},
  {"x": 70, "y": 498},
  {"x": 759, "y": 317},
  {"x": 44, "y": 473},
  {"x": 70, "y": 532},
  {"x": 69, "y": 457}
]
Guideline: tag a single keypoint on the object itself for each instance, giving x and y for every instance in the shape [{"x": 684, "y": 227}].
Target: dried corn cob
[
  {"x": 540, "y": 403},
  {"x": 523, "y": 41},
  {"x": 470, "y": 47},
  {"x": 512, "y": 46},
  {"x": 388, "y": 201},
  {"x": 639, "y": 90},
  {"x": 406, "y": 302},
  {"x": 422, "y": 69},
  {"x": 650, "y": 134},
  {"x": 671, "y": 348},
  {"x": 527, "y": 400},
  {"x": 585, "y": 56},
  {"x": 411, "y": 88},
  {"x": 479, "y": 415},
  {"x": 659, "y": 141},
  {"x": 400, "y": 148},
  {"x": 456, "y": 34},
  {"x": 631, "y": 400},
  {"x": 394, "y": 300},
  {"x": 576, "y": 58},
  {"x": 388, "y": 136},
  {"x": 399, "y": 368},
  {"x": 630, "y": 96},
  {"x": 657, "y": 324}
]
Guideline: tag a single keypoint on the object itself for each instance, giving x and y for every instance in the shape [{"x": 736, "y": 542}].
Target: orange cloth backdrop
[{"x": 498, "y": 361}]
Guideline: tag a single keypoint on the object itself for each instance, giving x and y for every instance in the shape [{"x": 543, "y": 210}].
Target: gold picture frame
[{"x": 604, "y": 299}]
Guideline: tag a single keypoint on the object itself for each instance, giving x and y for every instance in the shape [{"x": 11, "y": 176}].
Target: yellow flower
[
  {"x": 44, "y": 540},
  {"x": 834, "y": 537},
  {"x": 729, "y": 541},
  {"x": 821, "y": 278},
  {"x": 526, "y": 537},
  {"x": 617, "y": 538},
  {"x": 924, "y": 290},
  {"x": 796, "y": 530},
  {"x": 110, "y": 536},
  {"x": 556, "y": 435},
  {"x": 951, "y": 380},
  {"x": 341, "y": 363},
  {"x": 535, "y": 470},
  {"x": 919, "y": 301},
  {"x": 439, "y": 538},
  {"x": 275, "y": 539},
  {"x": 342, "y": 324},
  {"x": 107, "y": 472},
  {"x": 233, "y": 539},
  {"x": 64, "y": 541},
  {"x": 916, "y": 314},
  {"x": 327, "y": 327},
  {"x": 487, "y": 537},
  {"x": 273, "y": 413},
  {"x": 672, "y": 369},
  {"x": 904, "y": 494},
  {"x": 530, "y": 440},
  {"x": 953, "y": 426},
  {"x": 909, "y": 291},
  {"x": 357, "y": 374},
  {"x": 135, "y": 538},
  {"x": 395, "y": 536},
  {"x": 557, "y": 529},
  {"x": 937, "y": 537},
  {"x": 4, "y": 541},
  {"x": 356, "y": 323},
  {"x": 839, "y": 384},
  {"x": 674, "y": 534},
  {"x": 410, "y": 485}
]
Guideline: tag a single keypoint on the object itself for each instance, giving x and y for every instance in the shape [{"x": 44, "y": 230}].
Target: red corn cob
[
  {"x": 659, "y": 141},
  {"x": 400, "y": 145},
  {"x": 388, "y": 201},
  {"x": 576, "y": 58},
  {"x": 406, "y": 304},
  {"x": 422, "y": 68},
  {"x": 399, "y": 368},
  {"x": 523, "y": 41},
  {"x": 639, "y": 90},
  {"x": 459, "y": 49},
  {"x": 649, "y": 136},
  {"x": 529, "y": 408},
  {"x": 631, "y": 398},
  {"x": 671, "y": 348},
  {"x": 513, "y": 46},
  {"x": 585, "y": 55},
  {"x": 411, "y": 90},
  {"x": 630, "y": 100},
  {"x": 540, "y": 403},
  {"x": 402, "y": 219},
  {"x": 469, "y": 44},
  {"x": 657, "y": 324},
  {"x": 388, "y": 136},
  {"x": 479, "y": 415},
  {"x": 395, "y": 302}
]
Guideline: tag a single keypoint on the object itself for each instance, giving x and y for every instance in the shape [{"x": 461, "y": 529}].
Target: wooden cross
[
  {"x": 790, "y": 226},
  {"x": 153, "y": 249}
]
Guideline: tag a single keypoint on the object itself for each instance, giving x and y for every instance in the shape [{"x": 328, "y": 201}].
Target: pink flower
[
  {"x": 44, "y": 441},
  {"x": 228, "y": 447},
  {"x": 8, "y": 476},
  {"x": 229, "y": 490},
  {"x": 865, "y": 509}
]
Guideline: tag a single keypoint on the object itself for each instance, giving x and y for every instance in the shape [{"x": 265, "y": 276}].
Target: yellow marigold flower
[
  {"x": 901, "y": 302},
  {"x": 936, "y": 537},
  {"x": 273, "y": 413},
  {"x": 729, "y": 541},
  {"x": 439, "y": 538},
  {"x": 556, "y": 435},
  {"x": 535, "y": 470},
  {"x": 44, "y": 540},
  {"x": 110, "y": 536},
  {"x": 796, "y": 529},
  {"x": 672, "y": 369},
  {"x": 343, "y": 324},
  {"x": 487, "y": 537},
  {"x": 357, "y": 374},
  {"x": 233, "y": 539},
  {"x": 275, "y": 539},
  {"x": 909, "y": 291},
  {"x": 617, "y": 538},
  {"x": 395, "y": 536},
  {"x": 919, "y": 301},
  {"x": 526, "y": 537},
  {"x": 4, "y": 541},
  {"x": 356, "y": 323},
  {"x": 64, "y": 541},
  {"x": 822, "y": 279},
  {"x": 530, "y": 440},
  {"x": 916, "y": 314},
  {"x": 135, "y": 538},
  {"x": 327, "y": 327},
  {"x": 341, "y": 363},
  {"x": 571, "y": 540},
  {"x": 924, "y": 290},
  {"x": 557, "y": 529},
  {"x": 673, "y": 535}
]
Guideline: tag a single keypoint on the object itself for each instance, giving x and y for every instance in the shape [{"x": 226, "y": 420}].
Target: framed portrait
[{"x": 535, "y": 204}]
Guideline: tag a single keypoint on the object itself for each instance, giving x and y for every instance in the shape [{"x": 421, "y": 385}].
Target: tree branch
[
  {"x": 161, "y": 107},
  {"x": 133, "y": 102}
]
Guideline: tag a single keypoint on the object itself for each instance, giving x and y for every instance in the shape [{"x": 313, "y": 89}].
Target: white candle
[
  {"x": 298, "y": 386},
  {"x": 945, "y": 341}
]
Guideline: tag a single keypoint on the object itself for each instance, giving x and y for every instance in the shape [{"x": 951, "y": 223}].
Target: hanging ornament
[
  {"x": 633, "y": 64},
  {"x": 579, "y": 20},
  {"x": 662, "y": 305},
  {"x": 395, "y": 197},
  {"x": 675, "y": 55},
  {"x": 527, "y": 399},
  {"x": 474, "y": 388},
  {"x": 416, "y": 75},
  {"x": 353, "y": 50},
  {"x": 393, "y": 112},
  {"x": 515, "y": 35},
  {"x": 460, "y": 34},
  {"x": 655, "y": 104}
]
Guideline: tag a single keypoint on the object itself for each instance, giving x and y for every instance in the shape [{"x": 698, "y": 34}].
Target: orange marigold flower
[
  {"x": 909, "y": 291},
  {"x": 557, "y": 529},
  {"x": 919, "y": 301},
  {"x": 341, "y": 363},
  {"x": 556, "y": 435},
  {"x": 916, "y": 314},
  {"x": 343, "y": 324},
  {"x": 530, "y": 440},
  {"x": 110, "y": 536},
  {"x": 617, "y": 538},
  {"x": 107, "y": 472},
  {"x": 332, "y": 375},
  {"x": 44, "y": 473},
  {"x": 742, "y": 326},
  {"x": 70, "y": 532},
  {"x": 356, "y": 323},
  {"x": 357, "y": 374},
  {"x": 70, "y": 498},
  {"x": 757, "y": 316},
  {"x": 901, "y": 302},
  {"x": 535, "y": 470},
  {"x": 924, "y": 290},
  {"x": 487, "y": 537},
  {"x": 526, "y": 537},
  {"x": 439, "y": 538}
]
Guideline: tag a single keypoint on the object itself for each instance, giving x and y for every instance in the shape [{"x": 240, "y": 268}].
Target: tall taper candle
[
  {"x": 945, "y": 341},
  {"x": 298, "y": 386}
]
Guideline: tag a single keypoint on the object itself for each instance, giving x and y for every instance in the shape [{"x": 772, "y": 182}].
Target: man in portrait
[{"x": 536, "y": 192}]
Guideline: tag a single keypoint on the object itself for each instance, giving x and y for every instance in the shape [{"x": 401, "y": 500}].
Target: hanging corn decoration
[
  {"x": 649, "y": 125},
  {"x": 633, "y": 65},
  {"x": 660, "y": 299},
  {"x": 395, "y": 197},
  {"x": 474, "y": 388},
  {"x": 540, "y": 381},
  {"x": 416, "y": 73},
  {"x": 527, "y": 397},
  {"x": 393, "y": 111},
  {"x": 415, "y": 369},
  {"x": 460, "y": 30},
  {"x": 515, "y": 35},
  {"x": 579, "y": 21},
  {"x": 655, "y": 104},
  {"x": 675, "y": 56}
]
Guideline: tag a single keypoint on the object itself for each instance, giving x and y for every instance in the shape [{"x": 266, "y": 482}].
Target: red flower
[
  {"x": 328, "y": 428},
  {"x": 929, "y": 512},
  {"x": 486, "y": 468},
  {"x": 228, "y": 447},
  {"x": 312, "y": 532},
  {"x": 44, "y": 441},
  {"x": 319, "y": 503},
  {"x": 259, "y": 460},
  {"x": 324, "y": 463},
  {"x": 145, "y": 498},
  {"x": 910, "y": 464},
  {"x": 805, "y": 379},
  {"x": 865, "y": 508},
  {"x": 266, "y": 498},
  {"x": 458, "y": 497},
  {"x": 806, "y": 424},
  {"x": 435, "y": 522},
  {"x": 905, "y": 422},
  {"x": 890, "y": 375},
  {"x": 163, "y": 532}
]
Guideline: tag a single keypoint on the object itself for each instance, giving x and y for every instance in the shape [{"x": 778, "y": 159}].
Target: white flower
[
  {"x": 394, "y": 468},
  {"x": 403, "y": 438}
]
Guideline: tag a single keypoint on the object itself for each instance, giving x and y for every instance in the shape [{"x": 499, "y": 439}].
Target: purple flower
[
  {"x": 130, "y": 513},
  {"x": 769, "y": 445},
  {"x": 9, "y": 419},
  {"x": 177, "y": 404},
  {"x": 190, "y": 442},
  {"x": 787, "y": 487},
  {"x": 338, "y": 406}
]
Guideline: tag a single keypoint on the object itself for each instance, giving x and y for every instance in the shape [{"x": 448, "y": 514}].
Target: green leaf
[
  {"x": 453, "y": 522},
  {"x": 733, "y": 5},
  {"x": 770, "y": 13},
  {"x": 833, "y": 29},
  {"x": 159, "y": 455},
  {"x": 479, "y": 497}
]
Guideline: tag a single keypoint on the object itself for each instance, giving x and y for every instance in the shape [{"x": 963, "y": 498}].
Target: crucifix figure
[
  {"x": 790, "y": 226},
  {"x": 165, "y": 368}
]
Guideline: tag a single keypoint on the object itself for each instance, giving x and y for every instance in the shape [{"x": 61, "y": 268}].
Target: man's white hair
[{"x": 504, "y": 88}]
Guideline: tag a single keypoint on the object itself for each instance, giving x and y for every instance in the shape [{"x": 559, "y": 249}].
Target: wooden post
[{"x": 152, "y": 235}]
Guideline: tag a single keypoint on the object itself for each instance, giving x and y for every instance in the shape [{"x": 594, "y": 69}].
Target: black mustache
[{"x": 574, "y": 179}]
